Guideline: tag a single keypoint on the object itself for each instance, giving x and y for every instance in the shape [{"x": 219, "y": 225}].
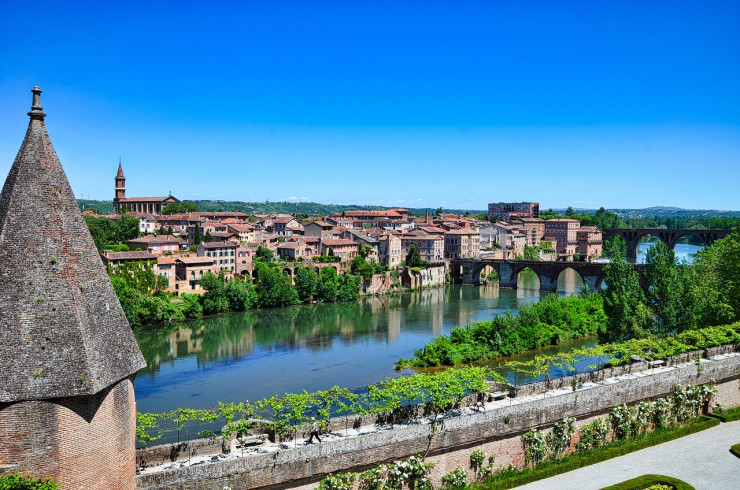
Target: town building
[
  {"x": 462, "y": 244},
  {"x": 223, "y": 254},
  {"x": 291, "y": 250},
  {"x": 431, "y": 247},
  {"x": 509, "y": 210},
  {"x": 147, "y": 205},
  {"x": 346, "y": 249},
  {"x": 68, "y": 356},
  {"x": 564, "y": 232},
  {"x": 589, "y": 242},
  {"x": 157, "y": 244},
  {"x": 189, "y": 271}
]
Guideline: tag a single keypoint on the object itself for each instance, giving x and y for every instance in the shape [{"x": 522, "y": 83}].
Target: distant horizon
[
  {"x": 454, "y": 105},
  {"x": 432, "y": 208}
]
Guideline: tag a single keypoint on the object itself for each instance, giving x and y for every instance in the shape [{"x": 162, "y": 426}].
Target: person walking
[{"x": 314, "y": 431}]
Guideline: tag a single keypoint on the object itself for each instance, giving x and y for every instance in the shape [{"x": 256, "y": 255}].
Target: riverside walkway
[{"x": 702, "y": 460}]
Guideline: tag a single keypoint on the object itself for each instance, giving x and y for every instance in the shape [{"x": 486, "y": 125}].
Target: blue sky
[{"x": 453, "y": 104}]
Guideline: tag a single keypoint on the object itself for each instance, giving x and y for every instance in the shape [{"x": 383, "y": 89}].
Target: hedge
[{"x": 646, "y": 481}]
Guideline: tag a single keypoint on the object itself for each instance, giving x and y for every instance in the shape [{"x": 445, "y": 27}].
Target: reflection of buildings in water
[
  {"x": 375, "y": 304},
  {"x": 394, "y": 324},
  {"x": 437, "y": 321},
  {"x": 569, "y": 281},
  {"x": 185, "y": 342}
]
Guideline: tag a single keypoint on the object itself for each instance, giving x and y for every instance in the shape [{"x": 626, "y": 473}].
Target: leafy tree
[
  {"x": 179, "y": 208},
  {"x": 718, "y": 281},
  {"x": 615, "y": 248},
  {"x": 624, "y": 304},
  {"x": 438, "y": 212},
  {"x": 240, "y": 294},
  {"x": 208, "y": 238},
  {"x": 273, "y": 287},
  {"x": 530, "y": 253},
  {"x": 214, "y": 299},
  {"x": 348, "y": 288},
  {"x": 363, "y": 268},
  {"x": 326, "y": 290},
  {"x": 305, "y": 283},
  {"x": 668, "y": 288},
  {"x": 264, "y": 254},
  {"x": 197, "y": 237},
  {"x": 413, "y": 258}
]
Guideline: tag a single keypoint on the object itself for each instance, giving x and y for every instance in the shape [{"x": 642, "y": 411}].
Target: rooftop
[{"x": 62, "y": 330}]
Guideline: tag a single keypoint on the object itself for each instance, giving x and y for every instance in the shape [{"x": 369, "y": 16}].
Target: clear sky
[{"x": 412, "y": 103}]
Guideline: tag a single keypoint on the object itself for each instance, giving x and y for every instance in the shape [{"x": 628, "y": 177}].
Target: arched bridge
[
  {"x": 468, "y": 271},
  {"x": 669, "y": 237}
]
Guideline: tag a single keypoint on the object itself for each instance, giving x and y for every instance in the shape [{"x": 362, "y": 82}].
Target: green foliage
[
  {"x": 624, "y": 304},
  {"x": 593, "y": 435},
  {"x": 615, "y": 248},
  {"x": 441, "y": 391},
  {"x": 651, "y": 482},
  {"x": 197, "y": 235},
  {"x": 137, "y": 288},
  {"x": 15, "y": 481},
  {"x": 337, "y": 481},
  {"x": 208, "y": 237},
  {"x": 106, "y": 232},
  {"x": 413, "y": 258},
  {"x": 735, "y": 450},
  {"x": 530, "y": 253},
  {"x": 180, "y": 208},
  {"x": 512, "y": 477},
  {"x": 264, "y": 254},
  {"x": 550, "y": 321},
  {"x": 718, "y": 281},
  {"x": 456, "y": 478},
  {"x": 306, "y": 281},
  {"x": 273, "y": 287},
  {"x": 222, "y": 296}
]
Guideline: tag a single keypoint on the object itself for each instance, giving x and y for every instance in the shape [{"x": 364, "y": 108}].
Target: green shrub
[
  {"x": 651, "y": 482},
  {"x": 14, "y": 481},
  {"x": 457, "y": 478}
]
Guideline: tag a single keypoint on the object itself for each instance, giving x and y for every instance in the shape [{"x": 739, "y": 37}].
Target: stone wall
[
  {"x": 497, "y": 431},
  {"x": 427, "y": 277}
]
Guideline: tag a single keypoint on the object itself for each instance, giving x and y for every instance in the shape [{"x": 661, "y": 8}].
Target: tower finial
[{"x": 36, "y": 109}]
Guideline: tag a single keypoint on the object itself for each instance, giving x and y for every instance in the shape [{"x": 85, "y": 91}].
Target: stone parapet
[{"x": 502, "y": 423}]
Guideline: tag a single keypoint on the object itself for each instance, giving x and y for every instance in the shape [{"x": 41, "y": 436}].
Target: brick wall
[{"x": 82, "y": 442}]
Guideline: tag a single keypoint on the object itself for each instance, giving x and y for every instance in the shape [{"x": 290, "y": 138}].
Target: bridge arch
[{"x": 670, "y": 237}]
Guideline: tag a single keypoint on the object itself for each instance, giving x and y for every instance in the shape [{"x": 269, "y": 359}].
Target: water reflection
[{"x": 260, "y": 353}]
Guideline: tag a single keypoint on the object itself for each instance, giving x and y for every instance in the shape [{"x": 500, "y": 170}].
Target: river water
[{"x": 261, "y": 353}]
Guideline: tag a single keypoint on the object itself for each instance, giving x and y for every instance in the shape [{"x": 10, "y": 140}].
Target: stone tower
[
  {"x": 120, "y": 184},
  {"x": 67, "y": 353}
]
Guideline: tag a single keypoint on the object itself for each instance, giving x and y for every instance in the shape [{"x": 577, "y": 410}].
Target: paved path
[{"x": 702, "y": 460}]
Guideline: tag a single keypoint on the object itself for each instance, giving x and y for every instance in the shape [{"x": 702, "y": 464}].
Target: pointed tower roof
[
  {"x": 62, "y": 330},
  {"x": 119, "y": 175}
]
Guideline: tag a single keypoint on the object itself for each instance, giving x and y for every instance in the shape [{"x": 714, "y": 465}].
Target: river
[{"x": 263, "y": 352}]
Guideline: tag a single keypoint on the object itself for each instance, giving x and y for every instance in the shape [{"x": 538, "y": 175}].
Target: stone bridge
[
  {"x": 468, "y": 271},
  {"x": 669, "y": 237}
]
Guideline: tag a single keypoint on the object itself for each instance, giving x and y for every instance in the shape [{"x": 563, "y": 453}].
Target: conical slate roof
[{"x": 62, "y": 330}]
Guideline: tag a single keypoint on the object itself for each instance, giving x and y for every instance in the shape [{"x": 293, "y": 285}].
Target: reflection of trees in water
[{"x": 233, "y": 336}]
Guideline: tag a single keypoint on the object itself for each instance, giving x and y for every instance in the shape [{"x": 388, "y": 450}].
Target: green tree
[
  {"x": 718, "y": 281},
  {"x": 624, "y": 304},
  {"x": 305, "y": 283},
  {"x": 669, "y": 292},
  {"x": 359, "y": 266},
  {"x": 530, "y": 253},
  {"x": 197, "y": 237},
  {"x": 326, "y": 290},
  {"x": 413, "y": 258},
  {"x": 208, "y": 237},
  {"x": 273, "y": 287},
  {"x": 181, "y": 207},
  {"x": 214, "y": 298},
  {"x": 348, "y": 288},
  {"x": 240, "y": 294},
  {"x": 615, "y": 248},
  {"x": 264, "y": 254}
]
